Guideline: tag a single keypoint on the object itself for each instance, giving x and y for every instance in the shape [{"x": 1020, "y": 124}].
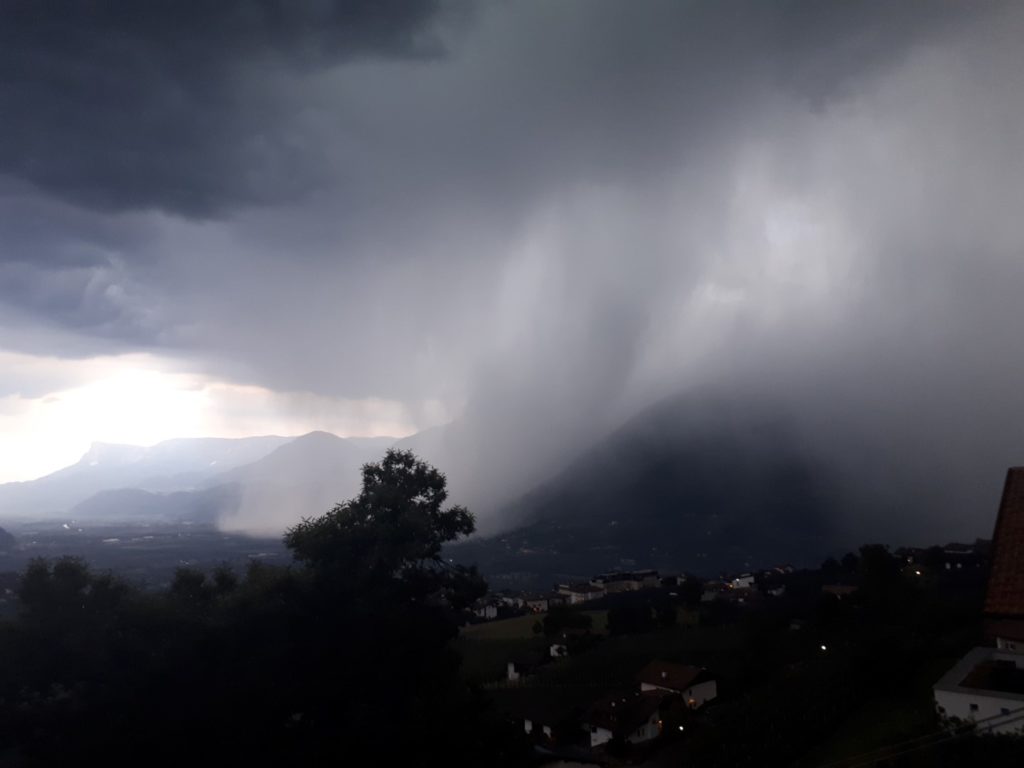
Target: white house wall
[
  {"x": 700, "y": 694},
  {"x": 1007, "y": 714},
  {"x": 599, "y": 736}
]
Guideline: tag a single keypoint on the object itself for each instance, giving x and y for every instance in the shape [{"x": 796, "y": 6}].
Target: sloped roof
[
  {"x": 1005, "y": 596},
  {"x": 622, "y": 713},
  {"x": 675, "y": 677}
]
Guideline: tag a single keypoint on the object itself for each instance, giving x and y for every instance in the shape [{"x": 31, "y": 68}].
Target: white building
[
  {"x": 743, "y": 581},
  {"x": 486, "y": 611},
  {"x": 529, "y": 726},
  {"x": 634, "y": 717},
  {"x": 694, "y": 684},
  {"x": 985, "y": 687},
  {"x": 580, "y": 593}
]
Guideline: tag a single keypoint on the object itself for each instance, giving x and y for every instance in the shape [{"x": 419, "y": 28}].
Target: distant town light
[
  {"x": 681, "y": 728},
  {"x": 824, "y": 647},
  {"x": 917, "y": 572}
]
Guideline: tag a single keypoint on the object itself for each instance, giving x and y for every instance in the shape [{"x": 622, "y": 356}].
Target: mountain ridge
[
  {"x": 175, "y": 466},
  {"x": 692, "y": 483}
]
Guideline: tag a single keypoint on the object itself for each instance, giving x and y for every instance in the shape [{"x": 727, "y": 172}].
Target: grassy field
[
  {"x": 487, "y": 648},
  {"x": 521, "y": 627}
]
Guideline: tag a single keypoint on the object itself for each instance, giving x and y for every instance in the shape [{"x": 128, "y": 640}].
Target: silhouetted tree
[
  {"x": 343, "y": 658},
  {"x": 629, "y": 614}
]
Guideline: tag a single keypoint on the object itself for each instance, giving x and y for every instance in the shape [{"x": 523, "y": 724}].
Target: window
[
  {"x": 974, "y": 707},
  {"x": 1004, "y": 711}
]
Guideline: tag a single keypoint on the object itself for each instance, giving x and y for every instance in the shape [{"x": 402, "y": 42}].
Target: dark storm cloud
[
  {"x": 120, "y": 104},
  {"x": 579, "y": 208},
  {"x": 96, "y": 300},
  {"x": 65, "y": 285}
]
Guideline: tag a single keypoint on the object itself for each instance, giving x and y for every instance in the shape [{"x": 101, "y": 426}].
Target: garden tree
[
  {"x": 391, "y": 535},
  {"x": 629, "y": 614},
  {"x": 850, "y": 563},
  {"x": 664, "y": 611},
  {"x": 388, "y": 598},
  {"x": 366, "y": 664},
  {"x": 387, "y": 608},
  {"x": 831, "y": 570},
  {"x": 690, "y": 592}
]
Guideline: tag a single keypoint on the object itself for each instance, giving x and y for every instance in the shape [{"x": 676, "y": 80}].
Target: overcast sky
[{"x": 371, "y": 217}]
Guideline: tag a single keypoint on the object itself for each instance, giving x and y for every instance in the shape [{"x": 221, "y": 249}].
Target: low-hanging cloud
[{"x": 583, "y": 207}]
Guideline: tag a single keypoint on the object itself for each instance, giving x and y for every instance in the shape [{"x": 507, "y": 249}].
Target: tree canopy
[
  {"x": 393, "y": 531},
  {"x": 343, "y": 656}
]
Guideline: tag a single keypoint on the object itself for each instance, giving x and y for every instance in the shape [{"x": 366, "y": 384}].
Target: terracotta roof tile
[
  {"x": 663, "y": 674},
  {"x": 1005, "y": 597}
]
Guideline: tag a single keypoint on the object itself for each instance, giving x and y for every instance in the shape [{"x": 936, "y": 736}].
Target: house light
[
  {"x": 917, "y": 572},
  {"x": 681, "y": 728},
  {"x": 824, "y": 647}
]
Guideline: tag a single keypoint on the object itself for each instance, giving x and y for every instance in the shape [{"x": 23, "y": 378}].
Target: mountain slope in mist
[
  {"x": 171, "y": 466},
  {"x": 691, "y": 484},
  {"x": 134, "y": 505},
  {"x": 303, "y": 478}
]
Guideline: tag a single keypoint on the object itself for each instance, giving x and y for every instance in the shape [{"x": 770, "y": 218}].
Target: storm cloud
[
  {"x": 116, "y": 105},
  {"x": 546, "y": 216}
]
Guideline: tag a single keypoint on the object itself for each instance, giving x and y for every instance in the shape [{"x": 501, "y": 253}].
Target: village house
[
  {"x": 743, "y": 581},
  {"x": 694, "y": 684},
  {"x": 714, "y": 590},
  {"x": 987, "y": 685},
  {"x": 632, "y": 717},
  {"x": 487, "y": 611},
  {"x": 966, "y": 558},
  {"x": 580, "y": 593},
  {"x": 523, "y": 665},
  {"x": 549, "y": 719},
  {"x": 487, "y": 607},
  {"x": 510, "y": 599},
  {"x": 954, "y": 558},
  {"x": 536, "y": 603}
]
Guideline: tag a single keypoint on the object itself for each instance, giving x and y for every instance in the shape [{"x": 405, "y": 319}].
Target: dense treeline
[{"x": 343, "y": 657}]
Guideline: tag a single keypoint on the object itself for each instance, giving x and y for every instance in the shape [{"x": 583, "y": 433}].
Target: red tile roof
[
  {"x": 675, "y": 677},
  {"x": 1005, "y": 595}
]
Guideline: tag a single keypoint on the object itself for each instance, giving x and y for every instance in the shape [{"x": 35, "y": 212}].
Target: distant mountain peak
[
  {"x": 111, "y": 454},
  {"x": 319, "y": 434}
]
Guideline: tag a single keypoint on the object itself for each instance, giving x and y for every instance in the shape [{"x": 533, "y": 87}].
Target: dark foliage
[
  {"x": 565, "y": 617},
  {"x": 345, "y": 658}
]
